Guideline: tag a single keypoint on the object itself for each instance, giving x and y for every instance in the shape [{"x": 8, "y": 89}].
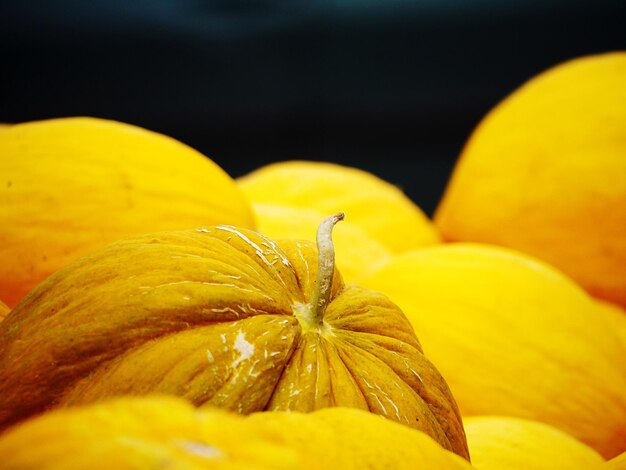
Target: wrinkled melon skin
[
  {"x": 499, "y": 442},
  {"x": 514, "y": 337},
  {"x": 545, "y": 173},
  {"x": 166, "y": 432},
  {"x": 378, "y": 207},
  {"x": 214, "y": 315},
  {"x": 72, "y": 185}
]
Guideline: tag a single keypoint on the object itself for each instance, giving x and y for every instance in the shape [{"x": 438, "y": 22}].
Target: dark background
[{"x": 392, "y": 87}]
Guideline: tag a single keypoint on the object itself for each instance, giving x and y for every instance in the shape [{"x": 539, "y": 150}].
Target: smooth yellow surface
[
  {"x": 514, "y": 337},
  {"x": 158, "y": 432},
  {"x": 504, "y": 443},
  {"x": 616, "y": 463},
  {"x": 545, "y": 173},
  {"x": 69, "y": 186},
  {"x": 356, "y": 251},
  {"x": 379, "y": 208}
]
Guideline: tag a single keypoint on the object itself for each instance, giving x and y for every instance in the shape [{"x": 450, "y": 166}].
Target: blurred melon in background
[{"x": 545, "y": 173}]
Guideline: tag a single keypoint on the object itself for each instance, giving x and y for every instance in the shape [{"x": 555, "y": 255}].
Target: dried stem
[{"x": 326, "y": 267}]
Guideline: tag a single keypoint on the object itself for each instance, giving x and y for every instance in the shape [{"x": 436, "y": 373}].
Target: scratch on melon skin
[
  {"x": 245, "y": 349},
  {"x": 201, "y": 450},
  {"x": 260, "y": 252}
]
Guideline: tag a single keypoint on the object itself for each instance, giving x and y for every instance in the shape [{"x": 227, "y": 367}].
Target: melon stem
[{"x": 325, "y": 267}]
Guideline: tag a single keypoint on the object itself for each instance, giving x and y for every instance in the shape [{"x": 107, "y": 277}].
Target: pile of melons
[{"x": 157, "y": 313}]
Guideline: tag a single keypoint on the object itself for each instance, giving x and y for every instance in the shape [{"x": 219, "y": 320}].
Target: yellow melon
[{"x": 545, "y": 173}]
